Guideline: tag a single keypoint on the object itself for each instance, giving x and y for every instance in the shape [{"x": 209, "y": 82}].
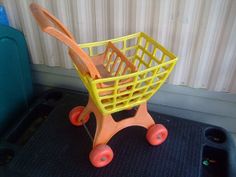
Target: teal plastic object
[{"x": 15, "y": 76}]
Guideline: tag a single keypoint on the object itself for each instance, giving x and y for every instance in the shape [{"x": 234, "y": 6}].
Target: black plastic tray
[{"x": 45, "y": 144}]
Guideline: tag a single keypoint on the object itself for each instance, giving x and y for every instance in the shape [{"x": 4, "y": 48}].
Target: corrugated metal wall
[{"x": 202, "y": 33}]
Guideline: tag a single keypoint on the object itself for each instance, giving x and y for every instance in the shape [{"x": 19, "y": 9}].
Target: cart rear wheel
[
  {"x": 74, "y": 116},
  {"x": 101, "y": 155},
  {"x": 156, "y": 134}
]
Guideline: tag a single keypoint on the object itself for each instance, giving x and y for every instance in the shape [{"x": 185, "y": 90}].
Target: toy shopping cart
[{"x": 119, "y": 74}]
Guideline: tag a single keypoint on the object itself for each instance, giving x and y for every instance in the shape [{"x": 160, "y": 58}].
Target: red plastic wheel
[
  {"x": 101, "y": 155},
  {"x": 74, "y": 115},
  {"x": 156, "y": 134}
]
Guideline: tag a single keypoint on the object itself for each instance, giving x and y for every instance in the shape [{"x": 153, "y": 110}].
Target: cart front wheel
[
  {"x": 101, "y": 155},
  {"x": 74, "y": 116},
  {"x": 156, "y": 134}
]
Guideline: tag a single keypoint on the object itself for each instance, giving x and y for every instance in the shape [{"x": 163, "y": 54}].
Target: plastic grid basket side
[
  {"x": 143, "y": 86},
  {"x": 154, "y": 64},
  {"x": 127, "y": 45}
]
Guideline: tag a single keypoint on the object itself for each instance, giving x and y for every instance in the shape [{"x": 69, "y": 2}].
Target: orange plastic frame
[{"x": 106, "y": 126}]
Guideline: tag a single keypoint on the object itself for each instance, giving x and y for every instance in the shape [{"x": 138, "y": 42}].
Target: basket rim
[{"x": 127, "y": 37}]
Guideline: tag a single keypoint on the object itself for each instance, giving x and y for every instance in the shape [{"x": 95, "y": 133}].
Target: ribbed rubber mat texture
[{"x": 59, "y": 149}]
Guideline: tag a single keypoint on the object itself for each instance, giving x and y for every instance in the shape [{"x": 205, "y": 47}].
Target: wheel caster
[
  {"x": 156, "y": 134},
  {"x": 74, "y": 115},
  {"x": 101, "y": 155}
]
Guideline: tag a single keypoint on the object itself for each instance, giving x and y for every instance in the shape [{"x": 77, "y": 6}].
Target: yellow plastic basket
[{"x": 153, "y": 62}]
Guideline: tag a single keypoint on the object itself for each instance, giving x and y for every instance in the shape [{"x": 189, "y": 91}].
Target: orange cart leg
[
  {"x": 106, "y": 127},
  {"x": 86, "y": 111}
]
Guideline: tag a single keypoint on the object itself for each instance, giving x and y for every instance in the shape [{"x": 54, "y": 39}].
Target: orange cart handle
[{"x": 51, "y": 25}]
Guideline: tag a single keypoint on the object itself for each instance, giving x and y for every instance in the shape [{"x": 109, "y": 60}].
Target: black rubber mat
[{"x": 58, "y": 149}]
